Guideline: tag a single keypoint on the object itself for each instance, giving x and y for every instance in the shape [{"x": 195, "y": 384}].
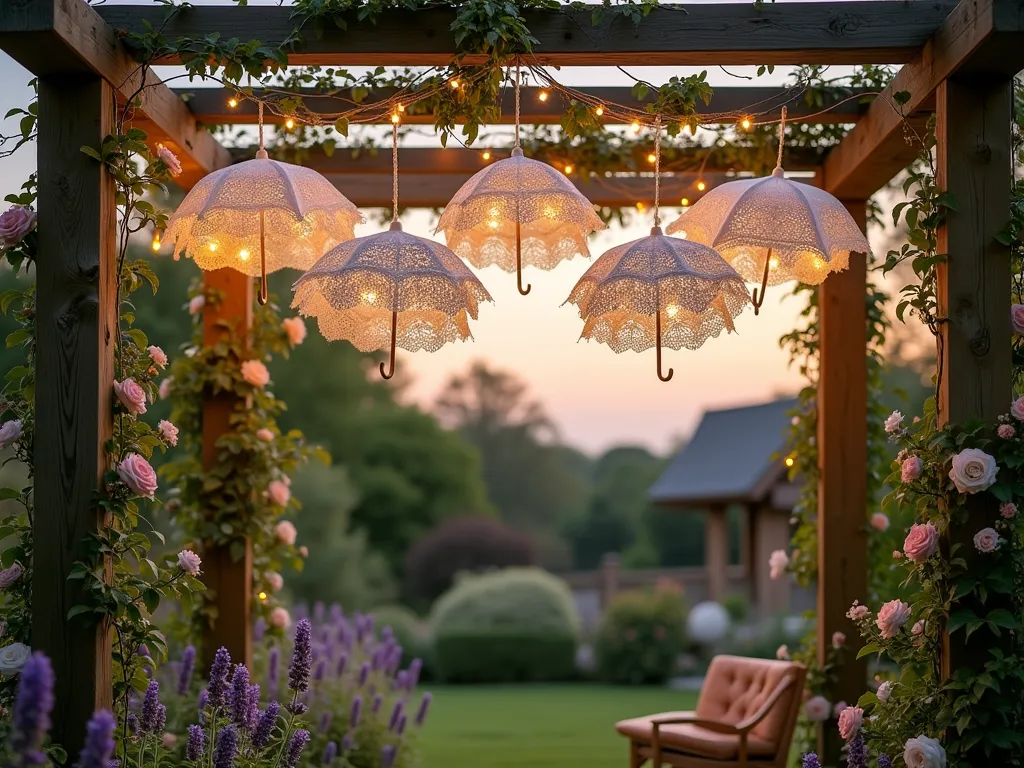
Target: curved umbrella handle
[
  {"x": 657, "y": 331},
  {"x": 519, "y": 262},
  {"x": 387, "y": 374},
  {"x": 757, "y": 302},
  {"x": 262, "y": 296}
]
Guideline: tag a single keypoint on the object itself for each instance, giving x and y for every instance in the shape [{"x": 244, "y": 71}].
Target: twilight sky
[{"x": 596, "y": 398}]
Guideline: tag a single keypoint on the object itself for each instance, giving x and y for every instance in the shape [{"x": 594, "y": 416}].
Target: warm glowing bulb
[
  {"x": 672, "y": 310},
  {"x": 640, "y": 206},
  {"x": 599, "y": 111},
  {"x": 493, "y": 224},
  {"x": 685, "y": 202},
  {"x": 401, "y": 107},
  {"x": 289, "y": 123},
  {"x": 701, "y": 186},
  {"x": 156, "y": 242},
  {"x": 243, "y": 254},
  {"x": 232, "y": 103},
  {"x": 369, "y": 297},
  {"x": 487, "y": 155},
  {"x": 636, "y": 126},
  {"x": 651, "y": 158},
  {"x": 454, "y": 83},
  {"x": 745, "y": 123},
  {"x": 213, "y": 246},
  {"x": 395, "y": 118},
  {"x": 773, "y": 262},
  {"x": 543, "y": 96},
  {"x": 263, "y": 595},
  {"x": 682, "y": 234},
  {"x": 550, "y": 212},
  {"x": 818, "y": 262},
  {"x": 789, "y": 461},
  {"x": 568, "y": 170}
]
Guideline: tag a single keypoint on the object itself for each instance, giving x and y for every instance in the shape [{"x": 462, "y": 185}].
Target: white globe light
[{"x": 708, "y": 622}]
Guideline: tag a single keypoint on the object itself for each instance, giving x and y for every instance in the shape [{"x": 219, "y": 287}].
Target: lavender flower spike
[
  {"x": 421, "y": 713},
  {"x": 219, "y": 671},
  {"x": 196, "y": 745},
  {"x": 342, "y": 663},
  {"x": 330, "y": 752},
  {"x": 99, "y": 741},
  {"x": 811, "y": 761},
  {"x": 401, "y": 726},
  {"x": 395, "y": 714},
  {"x": 252, "y": 714},
  {"x": 239, "y": 696},
  {"x": 364, "y": 673},
  {"x": 293, "y": 751},
  {"x": 227, "y": 747},
  {"x": 302, "y": 657},
  {"x": 132, "y": 722},
  {"x": 357, "y": 708},
  {"x": 857, "y": 753},
  {"x": 150, "y": 704},
  {"x": 387, "y": 756},
  {"x": 188, "y": 665},
  {"x": 265, "y": 726},
  {"x": 884, "y": 761},
  {"x": 161, "y": 718},
  {"x": 377, "y": 701},
  {"x": 325, "y": 721}
]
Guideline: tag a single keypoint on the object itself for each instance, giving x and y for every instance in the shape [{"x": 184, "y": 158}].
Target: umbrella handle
[
  {"x": 519, "y": 261},
  {"x": 394, "y": 334},
  {"x": 262, "y": 297},
  {"x": 657, "y": 332},
  {"x": 764, "y": 284}
]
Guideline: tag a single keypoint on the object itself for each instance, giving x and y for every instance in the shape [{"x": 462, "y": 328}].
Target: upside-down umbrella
[
  {"x": 658, "y": 291},
  {"x": 261, "y": 215},
  {"x": 389, "y": 290},
  {"x": 517, "y": 212},
  {"x": 774, "y": 229}
]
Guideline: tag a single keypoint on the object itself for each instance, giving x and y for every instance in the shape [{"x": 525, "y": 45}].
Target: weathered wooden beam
[
  {"x": 60, "y": 37},
  {"x": 974, "y": 164},
  {"x": 842, "y": 465},
  {"x": 418, "y": 190},
  {"x": 980, "y": 36},
  {"x": 716, "y": 551},
  {"x": 857, "y": 32},
  {"x": 212, "y": 106},
  {"x": 76, "y": 333}
]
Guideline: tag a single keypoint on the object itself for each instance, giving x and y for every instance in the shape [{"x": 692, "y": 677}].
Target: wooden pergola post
[
  {"x": 716, "y": 551},
  {"x": 842, "y": 463},
  {"x": 974, "y": 152},
  {"x": 76, "y": 333},
  {"x": 228, "y": 580}
]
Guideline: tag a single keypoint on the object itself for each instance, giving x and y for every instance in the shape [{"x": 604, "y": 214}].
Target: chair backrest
[{"x": 736, "y": 687}]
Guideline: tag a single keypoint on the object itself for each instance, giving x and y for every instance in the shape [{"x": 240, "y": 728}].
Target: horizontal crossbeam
[
  {"x": 539, "y": 106},
  {"x": 699, "y": 34}
]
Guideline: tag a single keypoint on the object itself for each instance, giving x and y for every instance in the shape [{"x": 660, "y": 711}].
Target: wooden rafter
[
  {"x": 982, "y": 36},
  {"x": 857, "y": 32}
]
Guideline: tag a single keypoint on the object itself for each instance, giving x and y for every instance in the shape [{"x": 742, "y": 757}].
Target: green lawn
[{"x": 537, "y": 726}]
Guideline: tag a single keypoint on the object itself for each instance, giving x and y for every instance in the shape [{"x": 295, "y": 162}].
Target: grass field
[{"x": 537, "y": 726}]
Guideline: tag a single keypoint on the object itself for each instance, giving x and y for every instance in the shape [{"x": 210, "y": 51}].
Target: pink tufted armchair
[{"x": 745, "y": 717}]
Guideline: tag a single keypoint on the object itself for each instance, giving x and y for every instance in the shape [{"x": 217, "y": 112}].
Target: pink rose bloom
[
  {"x": 1006, "y": 431},
  {"x": 138, "y": 475},
  {"x": 189, "y": 562},
  {"x": 879, "y": 521},
  {"x": 1017, "y": 318},
  {"x": 10, "y": 575},
  {"x": 255, "y": 373},
  {"x": 280, "y": 618},
  {"x": 295, "y": 328},
  {"x": 169, "y": 159},
  {"x": 265, "y": 435},
  {"x": 169, "y": 740},
  {"x": 1007, "y": 509},
  {"x": 278, "y": 493},
  {"x": 168, "y": 431},
  {"x": 986, "y": 540},
  {"x": 857, "y": 611},
  {"x": 1017, "y": 409},
  {"x": 275, "y": 581},
  {"x": 896, "y": 554},
  {"x": 838, "y": 639},
  {"x": 973, "y": 470},
  {"x": 10, "y": 432},
  {"x": 782, "y": 652},
  {"x": 132, "y": 395},
  {"x": 157, "y": 355},
  {"x": 196, "y": 304},
  {"x": 304, "y": 551},
  {"x": 837, "y": 710},
  {"x": 286, "y": 532},
  {"x": 921, "y": 542},
  {"x": 165, "y": 387},
  {"x": 16, "y": 222},
  {"x": 891, "y": 617},
  {"x": 894, "y": 423},
  {"x": 777, "y": 564},
  {"x": 817, "y": 709},
  {"x": 911, "y": 469},
  {"x": 918, "y": 628},
  {"x": 850, "y": 721}
]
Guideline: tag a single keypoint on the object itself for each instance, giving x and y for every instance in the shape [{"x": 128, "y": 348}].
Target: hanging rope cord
[
  {"x": 517, "y": 102},
  {"x": 394, "y": 171},
  {"x": 657, "y": 171},
  {"x": 782, "y": 137},
  {"x": 260, "y": 122}
]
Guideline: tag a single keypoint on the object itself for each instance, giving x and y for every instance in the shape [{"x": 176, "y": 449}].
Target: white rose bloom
[
  {"x": 973, "y": 471},
  {"x": 13, "y": 658},
  {"x": 884, "y": 691},
  {"x": 924, "y": 752}
]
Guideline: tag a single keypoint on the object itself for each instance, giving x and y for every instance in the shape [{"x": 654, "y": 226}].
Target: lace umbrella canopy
[
  {"x": 657, "y": 291},
  {"x": 261, "y": 215},
  {"x": 391, "y": 289},
  {"x": 518, "y": 211},
  {"x": 773, "y": 229}
]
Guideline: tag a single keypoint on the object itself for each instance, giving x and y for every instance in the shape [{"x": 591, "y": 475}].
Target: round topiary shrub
[
  {"x": 515, "y": 625},
  {"x": 640, "y": 637},
  {"x": 463, "y": 544}
]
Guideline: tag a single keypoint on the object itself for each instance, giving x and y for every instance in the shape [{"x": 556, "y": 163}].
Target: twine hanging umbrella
[
  {"x": 260, "y": 216},
  {"x": 391, "y": 289},
  {"x": 774, "y": 229},
  {"x": 518, "y": 211},
  {"x": 658, "y": 291}
]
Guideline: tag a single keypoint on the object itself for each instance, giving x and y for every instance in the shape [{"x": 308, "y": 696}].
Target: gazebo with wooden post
[{"x": 958, "y": 62}]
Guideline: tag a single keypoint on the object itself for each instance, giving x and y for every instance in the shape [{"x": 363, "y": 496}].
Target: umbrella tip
[
  {"x": 517, "y": 152},
  {"x": 261, "y": 154},
  {"x": 656, "y": 232},
  {"x": 396, "y": 226},
  {"x": 778, "y": 172}
]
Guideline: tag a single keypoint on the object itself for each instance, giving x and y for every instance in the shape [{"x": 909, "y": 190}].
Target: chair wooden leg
[{"x": 635, "y": 758}]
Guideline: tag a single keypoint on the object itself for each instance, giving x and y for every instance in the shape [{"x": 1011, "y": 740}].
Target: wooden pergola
[{"x": 958, "y": 61}]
